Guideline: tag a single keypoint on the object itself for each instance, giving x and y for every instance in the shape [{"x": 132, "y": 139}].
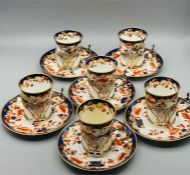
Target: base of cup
[
  {"x": 73, "y": 65},
  {"x": 101, "y": 153},
  {"x": 153, "y": 119},
  {"x": 95, "y": 94},
  {"x": 28, "y": 115},
  {"x": 132, "y": 62}
]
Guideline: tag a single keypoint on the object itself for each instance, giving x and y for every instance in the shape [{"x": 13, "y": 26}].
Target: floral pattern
[
  {"x": 102, "y": 82},
  {"x": 96, "y": 138},
  {"x": 94, "y": 104},
  {"x": 151, "y": 65},
  {"x": 63, "y": 37},
  {"x": 124, "y": 92},
  {"x": 29, "y": 81},
  {"x": 136, "y": 117},
  {"x": 132, "y": 51},
  {"x": 72, "y": 151},
  {"x": 132, "y": 32},
  {"x": 161, "y": 107},
  {"x": 13, "y": 117},
  {"x": 50, "y": 62}
]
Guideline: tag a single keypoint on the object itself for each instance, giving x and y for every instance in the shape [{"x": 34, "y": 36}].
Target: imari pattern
[
  {"x": 124, "y": 92},
  {"x": 72, "y": 151},
  {"x": 13, "y": 117},
  {"x": 137, "y": 119},
  {"x": 151, "y": 65},
  {"x": 50, "y": 62}
]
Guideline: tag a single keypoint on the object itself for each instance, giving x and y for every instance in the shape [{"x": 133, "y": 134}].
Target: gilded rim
[
  {"x": 101, "y": 101},
  {"x": 101, "y": 57},
  {"x": 59, "y": 76},
  {"x": 124, "y": 106},
  {"x": 35, "y": 135},
  {"x": 148, "y": 138},
  {"x": 135, "y": 29},
  {"x": 164, "y": 78},
  {"x": 144, "y": 76},
  {"x": 122, "y": 163},
  {"x": 36, "y": 74},
  {"x": 67, "y": 31}
]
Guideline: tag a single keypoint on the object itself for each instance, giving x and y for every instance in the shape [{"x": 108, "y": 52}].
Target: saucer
[
  {"x": 13, "y": 117},
  {"x": 123, "y": 92},
  {"x": 151, "y": 65},
  {"x": 136, "y": 117},
  {"x": 50, "y": 61},
  {"x": 71, "y": 149}
]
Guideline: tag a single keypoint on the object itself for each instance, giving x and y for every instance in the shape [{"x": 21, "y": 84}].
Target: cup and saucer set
[
  {"x": 67, "y": 60},
  {"x": 97, "y": 141},
  {"x": 38, "y": 110},
  {"x": 160, "y": 115},
  {"x": 134, "y": 59}
]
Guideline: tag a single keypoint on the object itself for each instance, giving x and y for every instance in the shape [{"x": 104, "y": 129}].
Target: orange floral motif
[
  {"x": 122, "y": 90},
  {"x": 50, "y": 69},
  {"x": 173, "y": 131},
  {"x": 102, "y": 80},
  {"x": 20, "y": 112},
  {"x": 118, "y": 142},
  {"x": 150, "y": 100},
  {"x": 137, "y": 72},
  {"x": 63, "y": 108},
  {"x": 119, "y": 71},
  {"x": 121, "y": 156},
  {"x": 65, "y": 135},
  {"x": 152, "y": 64},
  {"x": 80, "y": 100},
  {"x": 119, "y": 126},
  {"x": 186, "y": 115},
  {"x": 23, "y": 129},
  {"x": 137, "y": 111},
  {"x": 116, "y": 55},
  {"x": 76, "y": 160},
  {"x": 67, "y": 141},
  {"x": 7, "y": 120}
]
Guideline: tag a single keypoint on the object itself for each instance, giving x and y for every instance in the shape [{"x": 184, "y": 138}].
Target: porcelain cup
[
  {"x": 96, "y": 118},
  {"x": 101, "y": 75},
  {"x": 36, "y": 93},
  {"x": 132, "y": 47},
  {"x": 68, "y": 48},
  {"x": 161, "y": 99}
]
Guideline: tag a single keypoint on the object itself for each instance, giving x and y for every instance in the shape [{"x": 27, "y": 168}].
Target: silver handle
[
  {"x": 187, "y": 99},
  {"x": 62, "y": 96}
]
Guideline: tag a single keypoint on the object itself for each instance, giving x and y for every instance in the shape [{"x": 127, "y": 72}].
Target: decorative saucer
[
  {"x": 50, "y": 64},
  {"x": 13, "y": 117},
  {"x": 151, "y": 65},
  {"x": 71, "y": 149},
  {"x": 123, "y": 92},
  {"x": 136, "y": 117}
]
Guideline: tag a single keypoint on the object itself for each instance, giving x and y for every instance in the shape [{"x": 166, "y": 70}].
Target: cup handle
[
  {"x": 153, "y": 50},
  {"x": 187, "y": 99},
  {"x": 89, "y": 48},
  {"x": 62, "y": 96}
]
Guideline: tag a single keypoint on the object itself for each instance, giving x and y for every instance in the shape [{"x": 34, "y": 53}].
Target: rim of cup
[
  {"x": 161, "y": 78},
  {"x": 134, "y": 29},
  {"x": 97, "y": 100},
  {"x": 68, "y": 31},
  {"x": 101, "y": 57},
  {"x": 34, "y": 75}
]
